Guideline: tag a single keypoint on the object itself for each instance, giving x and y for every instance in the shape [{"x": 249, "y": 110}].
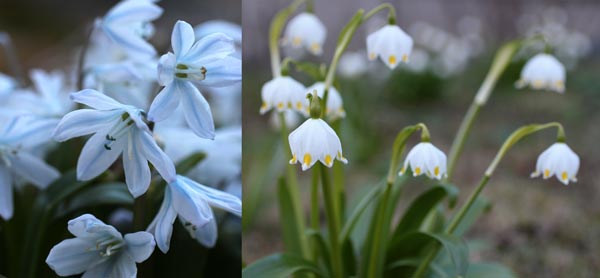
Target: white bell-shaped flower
[
  {"x": 306, "y": 30},
  {"x": 558, "y": 160},
  {"x": 391, "y": 44},
  {"x": 335, "y": 104},
  {"x": 283, "y": 93},
  {"x": 314, "y": 141},
  {"x": 425, "y": 158},
  {"x": 543, "y": 71}
]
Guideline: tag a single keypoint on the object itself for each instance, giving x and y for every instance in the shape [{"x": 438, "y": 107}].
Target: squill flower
[
  {"x": 390, "y": 44},
  {"x": 335, "y": 105},
  {"x": 283, "y": 93},
  {"x": 99, "y": 250},
  {"x": 425, "y": 158},
  {"x": 128, "y": 25},
  {"x": 558, "y": 160},
  {"x": 206, "y": 61},
  {"x": 48, "y": 99},
  {"x": 314, "y": 141},
  {"x": 118, "y": 129},
  {"x": 543, "y": 71},
  {"x": 192, "y": 202},
  {"x": 306, "y": 30},
  {"x": 17, "y": 138}
]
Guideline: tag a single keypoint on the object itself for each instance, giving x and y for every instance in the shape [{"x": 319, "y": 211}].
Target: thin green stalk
[
  {"x": 292, "y": 183},
  {"x": 333, "y": 222},
  {"x": 391, "y": 16},
  {"x": 374, "y": 260},
  {"x": 314, "y": 207},
  {"x": 461, "y": 137}
]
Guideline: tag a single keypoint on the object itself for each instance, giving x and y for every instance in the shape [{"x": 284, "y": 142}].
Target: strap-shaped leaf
[
  {"x": 279, "y": 266},
  {"x": 102, "y": 194},
  {"x": 288, "y": 219},
  {"x": 489, "y": 270}
]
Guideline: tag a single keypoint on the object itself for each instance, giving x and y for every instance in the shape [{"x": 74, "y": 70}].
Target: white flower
[
  {"x": 48, "y": 98},
  {"x": 543, "y": 71},
  {"x": 335, "y": 104},
  {"x": 391, "y": 44},
  {"x": 425, "y": 158},
  {"x": 314, "y": 141},
  {"x": 119, "y": 130},
  {"x": 558, "y": 160},
  {"x": 283, "y": 93},
  {"x": 99, "y": 250},
  {"x": 352, "y": 64},
  {"x": 306, "y": 30}
]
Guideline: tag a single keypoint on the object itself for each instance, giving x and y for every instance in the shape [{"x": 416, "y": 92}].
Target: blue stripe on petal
[
  {"x": 182, "y": 38},
  {"x": 165, "y": 103},
  {"x": 196, "y": 110}
]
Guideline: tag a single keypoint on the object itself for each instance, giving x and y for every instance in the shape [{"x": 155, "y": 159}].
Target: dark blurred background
[
  {"x": 538, "y": 228},
  {"x": 48, "y": 35}
]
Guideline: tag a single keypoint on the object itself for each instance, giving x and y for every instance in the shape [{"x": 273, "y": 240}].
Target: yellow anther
[
  {"x": 307, "y": 159},
  {"x": 546, "y": 173},
  {"x": 417, "y": 171},
  {"x": 328, "y": 160},
  {"x": 392, "y": 60}
]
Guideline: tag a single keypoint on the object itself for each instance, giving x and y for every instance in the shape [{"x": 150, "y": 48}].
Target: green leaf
[
  {"x": 314, "y": 70},
  {"x": 280, "y": 265},
  {"x": 190, "y": 162},
  {"x": 417, "y": 212},
  {"x": 364, "y": 202},
  {"x": 288, "y": 219},
  {"x": 347, "y": 32},
  {"x": 349, "y": 258},
  {"x": 102, "y": 194},
  {"x": 489, "y": 270},
  {"x": 320, "y": 246}
]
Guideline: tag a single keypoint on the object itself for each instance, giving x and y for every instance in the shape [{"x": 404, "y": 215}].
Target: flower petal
[
  {"x": 95, "y": 158},
  {"x": 224, "y": 72},
  {"x": 140, "y": 245},
  {"x": 207, "y": 235},
  {"x": 161, "y": 161},
  {"x": 196, "y": 110},
  {"x": 132, "y": 11},
  {"x": 82, "y": 122},
  {"x": 211, "y": 48},
  {"x": 162, "y": 225},
  {"x": 165, "y": 102},
  {"x": 134, "y": 44},
  {"x": 6, "y": 194},
  {"x": 72, "y": 256},
  {"x": 33, "y": 169},
  {"x": 137, "y": 172},
  {"x": 182, "y": 38},
  {"x": 88, "y": 226},
  {"x": 95, "y": 99},
  {"x": 115, "y": 267},
  {"x": 217, "y": 198},
  {"x": 189, "y": 204}
]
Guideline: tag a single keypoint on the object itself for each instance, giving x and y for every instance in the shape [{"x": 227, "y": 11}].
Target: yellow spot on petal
[
  {"x": 392, "y": 60},
  {"x": 417, "y": 171},
  {"x": 564, "y": 176},
  {"x": 546, "y": 173},
  {"x": 328, "y": 160},
  {"x": 289, "y": 105},
  {"x": 537, "y": 84},
  {"x": 296, "y": 41},
  {"x": 264, "y": 105},
  {"x": 436, "y": 171},
  {"x": 315, "y": 48},
  {"x": 307, "y": 159},
  {"x": 280, "y": 105},
  {"x": 294, "y": 159},
  {"x": 402, "y": 170},
  {"x": 372, "y": 56},
  {"x": 299, "y": 105},
  {"x": 404, "y": 58}
]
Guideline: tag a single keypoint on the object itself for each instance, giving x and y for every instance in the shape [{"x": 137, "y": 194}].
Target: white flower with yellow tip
[
  {"x": 335, "y": 104},
  {"x": 558, "y": 160},
  {"x": 543, "y": 71},
  {"x": 390, "y": 44},
  {"x": 283, "y": 93},
  {"x": 314, "y": 141},
  {"x": 425, "y": 158},
  {"x": 306, "y": 30}
]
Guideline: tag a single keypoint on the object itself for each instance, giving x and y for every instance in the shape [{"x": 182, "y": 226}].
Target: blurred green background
[{"x": 539, "y": 228}]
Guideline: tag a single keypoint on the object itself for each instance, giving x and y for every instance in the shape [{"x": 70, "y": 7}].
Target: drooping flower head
[
  {"x": 558, "y": 160},
  {"x": 128, "y": 25},
  {"x": 314, "y": 141},
  {"x": 543, "y": 72},
  {"x": 307, "y": 31},
  {"x": 99, "y": 250},
  {"x": 206, "y": 61},
  {"x": 335, "y": 104},
  {"x": 283, "y": 93},
  {"x": 192, "y": 202},
  {"x": 425, "y": 158},
  {"x": 391, "y": 44},
  {"x": 118, "y": 129}
]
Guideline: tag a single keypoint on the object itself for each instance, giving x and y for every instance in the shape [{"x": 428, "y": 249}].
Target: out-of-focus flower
[
  {"x": 335, "y": 104},
  {"x": 353, "y": 64},
  {"x": 192, "y": 202},
  {"x": 128, "y": 25},
  {"x": 7, "y": 85},
  {"x": 283, "y": 93},
  {"x": 390, "y": 44},
  {"x": 118, "y": 129},
  {"x": 292, "y": 119},
  {"x": 17, "y": 138},
  {"x": 48, "y": 99},
  {"x": 206, "y": 61},
  {"x": 230, "y": 29},
  {"x": 425, "y": 158},
  {"x": 314, "y": 141},
  {"x": 99, "y": 250},
  {"x": 543, "y": 71},
  {"x": 558, "y": 160},
  {"x": 306, "y": 30}
]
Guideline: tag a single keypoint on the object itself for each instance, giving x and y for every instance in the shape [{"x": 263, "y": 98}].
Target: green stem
[
  {"x": 314, "y": 207},
  {"x": 292, "y": 182},
  {"x": 461, "y": 137},
  {"x": 391, "y": 16},
  {"x": 374, "y": 260},
  {"x": 275, "y": 33},
  {"x": 333, "y": 222}
]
